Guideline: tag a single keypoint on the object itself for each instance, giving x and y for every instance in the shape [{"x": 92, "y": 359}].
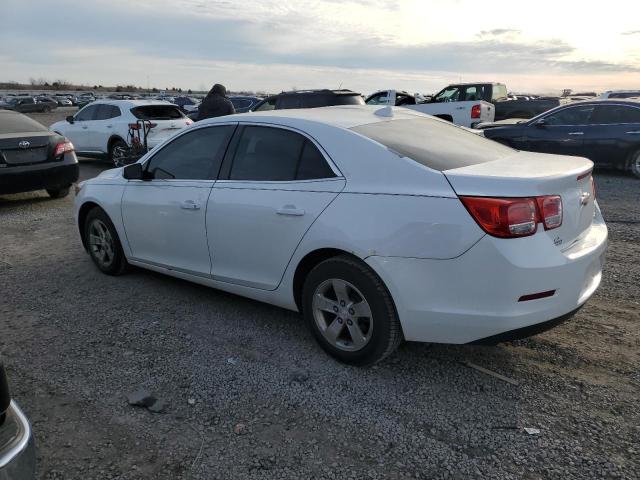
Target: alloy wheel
[
  {"x": 342, "y": 315},
  {"x": 101, "y": 244}
]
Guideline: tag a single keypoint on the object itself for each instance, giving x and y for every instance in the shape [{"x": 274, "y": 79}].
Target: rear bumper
[
  {"x": 37, "y": 177},
  {"x": 475, "y": 297},
  {"x": 18, "y": 455}
]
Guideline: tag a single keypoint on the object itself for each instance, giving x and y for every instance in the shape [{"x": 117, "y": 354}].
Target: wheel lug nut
[
  {"x": 352, "y": 311},
  {"x": 339, "y": 320},
  {"x": 342, "y": 304},
  {"x": 349, "y": 322},
  {"x": 335, "y": 309}
]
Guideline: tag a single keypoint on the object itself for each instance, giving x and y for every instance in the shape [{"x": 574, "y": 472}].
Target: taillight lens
[
  {"x": 188, "y": 122},
  {"x": 593, "y": 188},
  {"x": 62, "y": 148},
  {"x": 550, "y": 209},
  {"x": 475, "y": 111},
  {"x": 514, "y": 217}
]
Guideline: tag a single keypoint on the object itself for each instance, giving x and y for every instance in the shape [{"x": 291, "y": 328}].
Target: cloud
[
  {"x": 631, "y": 32},
  {"x": 496, "y": 32}
]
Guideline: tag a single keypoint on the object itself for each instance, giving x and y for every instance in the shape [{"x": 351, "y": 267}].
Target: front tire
[
  {"x": 350, "y": 312},
  {"x": 58, "y": 192},
  {"x": 103, "y": 243},
  {"x": 635, "y": 164}
]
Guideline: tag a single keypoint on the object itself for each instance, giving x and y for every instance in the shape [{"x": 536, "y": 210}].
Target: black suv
[{"x": 309, "y": 99}]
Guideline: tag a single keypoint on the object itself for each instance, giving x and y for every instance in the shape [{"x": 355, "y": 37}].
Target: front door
[
  {"x": 275, "y": 183},
  {"x": 561, "y": 132},
  {"x": 164, "y": 217}
]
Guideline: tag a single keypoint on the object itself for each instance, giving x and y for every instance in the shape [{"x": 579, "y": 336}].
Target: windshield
[{"x": 433, "y": 143}]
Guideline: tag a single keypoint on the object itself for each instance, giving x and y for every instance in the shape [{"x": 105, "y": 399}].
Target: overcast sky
[{"x": 365, "y": 45}]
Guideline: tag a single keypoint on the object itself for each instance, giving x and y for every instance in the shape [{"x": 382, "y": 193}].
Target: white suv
[{"x": 101, "y": 127}]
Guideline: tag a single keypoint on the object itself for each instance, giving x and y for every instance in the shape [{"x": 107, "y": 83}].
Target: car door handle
[
  {"x": 190, "y": 205},
  {"x": 84, "y": 127},
  {"x": 109, "y": 126},
  {"x": 634, "y": 132},
  {"x": 461, "y": 108},
  {"x": 576, "y": 133},
  {"x": 290, "y": 210}
]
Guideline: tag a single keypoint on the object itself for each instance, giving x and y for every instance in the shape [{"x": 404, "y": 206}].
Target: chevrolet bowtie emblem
[{"x": 584, "y": 198}]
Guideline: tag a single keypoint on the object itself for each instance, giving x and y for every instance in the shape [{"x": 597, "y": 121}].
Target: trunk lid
[
  {"x": 526, "y": 174},
  {"x": 25, "y": 149}
]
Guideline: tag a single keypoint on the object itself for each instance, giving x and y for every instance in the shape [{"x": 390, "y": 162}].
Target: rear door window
[
  {"x": 433, "y": 143},
  {"x": 106, "y": 112},
  {"x": 157, "y": 112},
  {"x": 87, "y": 113},
  {"x": 276, "y": 154},
  {"x": 615, "y": 114}
]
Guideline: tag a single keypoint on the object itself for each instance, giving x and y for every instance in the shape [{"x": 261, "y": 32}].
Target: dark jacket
[{"x": 215, "y": 104}]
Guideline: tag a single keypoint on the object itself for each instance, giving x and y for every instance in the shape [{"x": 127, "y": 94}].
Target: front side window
[
  {"x": 268, "y": 104},
  {"x": 196, "y": 155},
  {"x": 87, "y": 113},
  {"x": 379, "y": 99},
  {"x": 275, "y": 154},
  {"x": 615, "y": 114},
  {"x": 578, "y": 115}
]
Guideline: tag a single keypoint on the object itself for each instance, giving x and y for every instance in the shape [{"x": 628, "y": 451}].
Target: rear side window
[
  {"x": 17, "y": 123},
  {"x": 615, "y": 114},
  {"x": 275, "y": 154},
  {"x": 196, "y": 155},
  {"x": 157, "y": 112},
  {"x": 435, "y": 144},
  {"x": 499, "y": 92}
]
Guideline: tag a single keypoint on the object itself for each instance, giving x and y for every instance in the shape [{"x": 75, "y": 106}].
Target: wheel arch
[
  {"x": 82, "y": 216},
  {"x": 112, "y": 139}
]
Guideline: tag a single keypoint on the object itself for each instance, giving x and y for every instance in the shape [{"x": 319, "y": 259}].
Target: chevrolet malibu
[{"x": 378, "y": 224}]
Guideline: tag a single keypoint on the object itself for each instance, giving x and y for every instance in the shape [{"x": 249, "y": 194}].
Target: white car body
[
  {"x": 450, "y": 281},
  {"x": 94, "y": 136},
  {"x": 459, "y": 113}
]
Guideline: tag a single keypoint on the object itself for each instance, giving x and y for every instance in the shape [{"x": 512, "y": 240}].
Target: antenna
[{"x": 340, "y": 86}]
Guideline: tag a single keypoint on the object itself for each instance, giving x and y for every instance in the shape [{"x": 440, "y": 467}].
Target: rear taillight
[
  {"x": 188, "y": 122},
  {"x": 62, "y": 148},
  {"x": 550, "y": 209},
  {"x": 593, "y": 188},
  {"x": 475, "y": 111},
  {"x": 514, "y": 217}
]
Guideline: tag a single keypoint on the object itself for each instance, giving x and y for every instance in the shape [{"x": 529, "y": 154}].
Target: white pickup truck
[{"x": 461, "y": 104}]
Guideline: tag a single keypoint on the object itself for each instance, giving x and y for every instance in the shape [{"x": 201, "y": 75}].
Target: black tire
[
  {"x": 109, "y": 259},
  {"x": 58, "y": 192},
  {"x": 117, "y": 143},
  {"x": 634, "y": 165},
  {"x": 386, "y": 333}
]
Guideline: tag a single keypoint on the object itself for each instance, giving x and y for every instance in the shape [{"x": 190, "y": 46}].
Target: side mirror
[
  {"x": 542, "y": 123},
  {"x": 70, "y": 119},
  {"x": 133, "y": 172}
]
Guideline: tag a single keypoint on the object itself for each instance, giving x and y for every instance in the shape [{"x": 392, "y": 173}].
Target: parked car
[
  {"x": 620, "y": 94},
  {"x": 28, "y": 105},
  {"x": 183, "y": 102},
  {"x": 308, "y": 99},
  {"x": 102, "y": 128},
  {"x": 33, "y": 158},
  {"x": 460, "y": 104},
  {"x": 244, "y": 104},
  {"x": 85, "y": 99},
  {"x": 46, "y": 100},
  {"x": 377, "y": 223},
  {"x": 17, "y": 447},
  {"x": 63, "y": 100},
  {"x": 604, "y": 131}
]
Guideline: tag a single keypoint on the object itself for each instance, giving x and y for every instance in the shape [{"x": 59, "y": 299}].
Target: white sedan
[
  {"x": 378, "y": 224},
  {"x": 103, "y": 128}
]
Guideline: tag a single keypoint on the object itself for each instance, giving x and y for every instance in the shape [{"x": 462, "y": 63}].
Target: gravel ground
[{"x": 250, "y": 395}]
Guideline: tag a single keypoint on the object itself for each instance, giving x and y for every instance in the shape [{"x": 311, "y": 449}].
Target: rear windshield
[
  {"x": 16, "y": 123},
  {"x": 433, "y": 143},
  {"x": 315, "y": 100},
  {"x": 157, "y": 112}
]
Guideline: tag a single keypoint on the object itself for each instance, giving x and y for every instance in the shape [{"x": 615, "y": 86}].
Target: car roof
[
  {"x": 132, "y": 103},
  {"x": 342, "y": 116}
]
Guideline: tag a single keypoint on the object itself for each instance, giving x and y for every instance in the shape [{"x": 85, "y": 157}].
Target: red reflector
[
  {"x": 535, "y": 296},
  {"x": 475, "y": 111},
  {"x": 63, "y": 148},
  {"x": 503, "y": 217},
  {"x": 550, "y": 208}
]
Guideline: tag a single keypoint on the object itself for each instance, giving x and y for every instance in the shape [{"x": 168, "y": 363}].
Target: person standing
[{"x": 216, "y": 103}]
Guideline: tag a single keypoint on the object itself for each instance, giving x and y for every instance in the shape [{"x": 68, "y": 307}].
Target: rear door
[
  {"x": 274, "y": 184},
  {"x": 164, "y": 218},
  {"x": 562, "y": 132},
  {"x": 613, "y": 135}
]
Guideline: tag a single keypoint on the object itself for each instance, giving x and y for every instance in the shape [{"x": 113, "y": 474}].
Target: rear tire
[
  {"x": 635, "y": 164},
  {"x": 103, "y": 243},
  {"x": 117, "y": 150},
  {"x": 58, "y": 192},
  {"x": 350, "y": 312}
]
